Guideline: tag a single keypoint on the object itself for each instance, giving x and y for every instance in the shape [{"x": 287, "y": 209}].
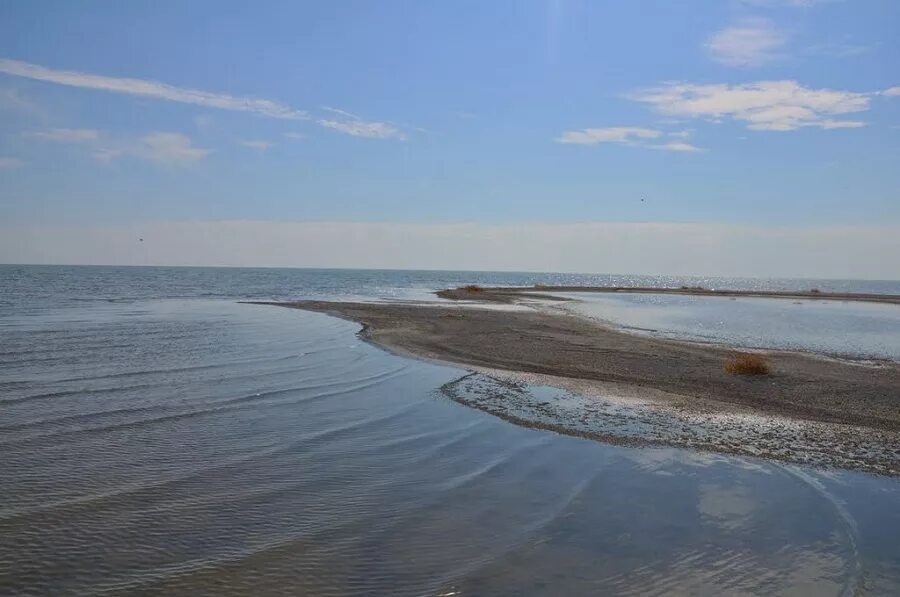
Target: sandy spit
[{"x": 836, "y": 413}]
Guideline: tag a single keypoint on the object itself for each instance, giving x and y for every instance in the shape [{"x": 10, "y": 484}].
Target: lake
[{"x": 160, "y": 438}]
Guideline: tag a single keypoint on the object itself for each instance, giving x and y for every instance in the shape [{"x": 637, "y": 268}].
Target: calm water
[
  {"x": 159, "y": 438},
  {"x": 833, "y": 327}
]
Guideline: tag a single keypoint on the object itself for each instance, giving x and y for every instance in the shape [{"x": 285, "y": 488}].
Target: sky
[{"x": 732, "y": 137}]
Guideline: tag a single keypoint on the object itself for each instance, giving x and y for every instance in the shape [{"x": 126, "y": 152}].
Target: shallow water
[
  {"x": 199, "y": 446},
  {"x": 849, "y": 328},
  {"x": 603, "y": 413}
]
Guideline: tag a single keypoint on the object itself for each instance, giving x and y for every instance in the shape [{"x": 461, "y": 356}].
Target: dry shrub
[
  {"x": 743, "y": 363},
  {"x": 473, "y": 288}
]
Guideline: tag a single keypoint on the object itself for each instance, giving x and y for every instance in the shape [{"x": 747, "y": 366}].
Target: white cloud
[
  {"x": 169, "y": 149},
  {"x": 67, "y": 135},
  {"x": 676, "y": 146},
  {"x": 360, "y": 128},
  {"x": 343, "y": 113},
  {"x": 893, "y": 91},
  {"x": 257, "y": 144},
  {"x": 649, "y": 248},
  {"x": 351, "y": 124},
  {"x": 626, "y": 135},
  {"x": 10, "y": 163},
  {"x": 161, "y": 147},
  {"x": 153, "y": 89},
  {"x": 765, "y": 105},
  {"x": 346, "y": 122},
  {"x": 295, "y": 136},
  {"x": 842, "y": 124},
  {"x": 617, "y": 134},
  {"x": 747, "y": 43}
]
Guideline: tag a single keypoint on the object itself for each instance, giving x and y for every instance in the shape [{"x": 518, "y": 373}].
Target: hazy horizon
[
  {"x": 627, "y": 248},
  {"x": 438, "y": 270}
]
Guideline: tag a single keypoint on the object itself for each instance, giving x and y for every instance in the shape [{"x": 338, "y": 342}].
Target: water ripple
[{"x": 244, "y": 450}]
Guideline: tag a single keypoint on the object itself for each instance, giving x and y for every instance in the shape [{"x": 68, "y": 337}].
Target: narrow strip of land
[
  {"x": 800, "y": 385},
  {"x": 807, "y": 409},
  {"x": 514, "y": 293}
]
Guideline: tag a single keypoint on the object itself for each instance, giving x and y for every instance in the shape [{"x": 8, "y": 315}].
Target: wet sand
[{"x": 806, "y": 398}]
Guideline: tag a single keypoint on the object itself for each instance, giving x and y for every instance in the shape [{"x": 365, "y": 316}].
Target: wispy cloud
[
  {"x": 165, "y": 148},
  {"x": 343, "y": 113},
  {"x": 66, "y": 135},
  {"x": 294, "y": 136},
  {"x": 618, "y": 134},
  {"x": 358, "y": 128},
  {"x": 10, "y": 163},
  {"x": 892, "y": 92},
  {"x": 626, "y": 135},
  {"x": 676, "y": 146},
  {"x": 747, "y": 43},
  {"x": 763, "y": 106},
  {"x": 340, "y": 120},
  {"x": 152, "y": 89},
  {"x": 168, "y": 148},
  {"x": 351, "y": 124},
  {"x": 257, "y": 144}
]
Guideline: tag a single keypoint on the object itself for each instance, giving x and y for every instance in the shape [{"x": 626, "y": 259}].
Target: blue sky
[{"x": 727, "y": 112}]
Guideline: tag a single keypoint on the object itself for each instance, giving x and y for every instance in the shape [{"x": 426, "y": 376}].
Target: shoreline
[
  {"x": 514, "y": 293},
  {"x": 808, "y": 410}
]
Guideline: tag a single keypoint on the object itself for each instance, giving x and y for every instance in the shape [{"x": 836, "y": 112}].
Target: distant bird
[
  {"x": 642, "y": 199},
  {"x": 140, "y": 239}
]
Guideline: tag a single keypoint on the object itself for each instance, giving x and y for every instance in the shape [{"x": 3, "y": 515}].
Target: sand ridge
[{"x": 864, "y": 400}]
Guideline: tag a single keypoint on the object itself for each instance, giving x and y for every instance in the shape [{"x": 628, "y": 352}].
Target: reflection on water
[
  {"x": 834, "y": 327},
  {"x": 185, "y": 447}
]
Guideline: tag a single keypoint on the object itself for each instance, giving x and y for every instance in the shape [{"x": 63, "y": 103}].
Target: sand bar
[
  {"x": 805, "y": 397},
  {"x": 513, "y": 294}
]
